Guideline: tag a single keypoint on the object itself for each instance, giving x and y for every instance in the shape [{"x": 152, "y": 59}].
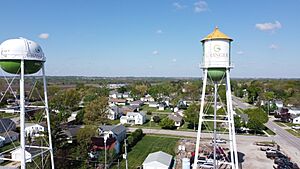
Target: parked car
[
  {"x": 201, "y": 160},
  {"x": 296, "y": 127},
  {"x": 207, "y": 165},
  {"x": 219, "y": 141}
]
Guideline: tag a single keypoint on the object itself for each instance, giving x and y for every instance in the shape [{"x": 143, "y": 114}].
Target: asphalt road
[
  {"x": 284, "y": 138},
  {"x": 237, "y": 102}
]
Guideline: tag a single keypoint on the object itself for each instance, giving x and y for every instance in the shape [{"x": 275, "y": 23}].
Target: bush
[
  {"x": 149, "y": 113},
  {"x": 167, "y": 123},
  {"x": 135, "y": 137},
  {"x": 156, "y": 119}
]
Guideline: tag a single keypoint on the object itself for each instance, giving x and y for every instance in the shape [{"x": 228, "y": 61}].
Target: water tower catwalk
[
  {"x": 20, "y": 58},
  {"x": 216, "y": 67}
]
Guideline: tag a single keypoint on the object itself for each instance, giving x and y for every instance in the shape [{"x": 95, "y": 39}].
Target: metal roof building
[{"x": 158, "y": 160}]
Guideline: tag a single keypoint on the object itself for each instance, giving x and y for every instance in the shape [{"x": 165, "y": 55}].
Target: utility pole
[
  {"x": 105, "y": 167},
  {"x": 126, "y": 155}
]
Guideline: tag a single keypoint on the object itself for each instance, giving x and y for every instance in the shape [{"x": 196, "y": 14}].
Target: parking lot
[{"x": 249, "y": 153}]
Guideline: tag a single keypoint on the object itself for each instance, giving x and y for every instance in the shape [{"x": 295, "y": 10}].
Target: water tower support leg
[
  {"x": 48, "y": 117},
  {"x": 200, "y": 119}
]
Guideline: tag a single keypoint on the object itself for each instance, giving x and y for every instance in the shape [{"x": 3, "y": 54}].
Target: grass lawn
[
  {"x": 9, "y": 146},
  {"x": 7, "y": 115},
  {"x": 280, "y": 124},
  {"x": 146, "y": 108},
  {"x": 114, "y": 122},
  {"x": 270, "y": 132},
  {"x": 295, "y": 133},
  {"x": 149, "y": 144}
]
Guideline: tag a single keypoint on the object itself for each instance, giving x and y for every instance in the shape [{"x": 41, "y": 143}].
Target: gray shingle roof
[
  {"x": 116, "y": 129},
  {"x": 7, "y": 125},
  {"x": 176, "y": 117},
  {"x": 160, "y": 157}
]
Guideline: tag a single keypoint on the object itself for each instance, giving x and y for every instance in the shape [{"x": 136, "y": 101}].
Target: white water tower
[
  {"x": 21, "y": 57},
  {"x": 216, "y": 65}
]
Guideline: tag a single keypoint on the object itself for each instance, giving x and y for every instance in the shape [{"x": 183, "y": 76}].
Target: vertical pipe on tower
[
  {"x": 22, "y": 116},
  {"x": 215, "y": 122},
  {"x": 229, "y": 124}
]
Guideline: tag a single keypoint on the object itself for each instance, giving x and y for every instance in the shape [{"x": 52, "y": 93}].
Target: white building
[
  {"x": 296, "y": 120},
  {"x": 279, "y": 104},
  {"x": 133, "y": 118},
  {"x": 157, "y": 160},
  {"x": 153, "y": 104},
  {"x": 34, "y": 130},
  {"x": 294, "y": 111},
  {"x": 16, "y": 155}
]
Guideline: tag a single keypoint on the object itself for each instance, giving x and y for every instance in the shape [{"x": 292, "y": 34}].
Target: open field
[{"x": 147, "y": 145}]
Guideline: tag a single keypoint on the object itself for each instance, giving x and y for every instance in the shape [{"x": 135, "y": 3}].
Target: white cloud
[
  {"x": 240, "y": 52},
  {"x": 174, "y": 60},
  {"x": 178, "y": 6},
  {"x": 155, "y": 52},
  {"x": 200, "y": 6},
  {"x": 44, "y": 35},
  {"x": 268, "y": 26},
  {"x": 273, "y": 46},
  {"x": 159, "y": 31}
]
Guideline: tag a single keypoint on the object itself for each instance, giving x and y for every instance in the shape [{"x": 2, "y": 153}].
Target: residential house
[
  {"x": 279, "y": 104},
  {"x": 178, "y": 119},
  {"x": 153, "y": 104},
  {"x": 7, "y": 124},
  {"x": 137, "y": 103},
  {"x": 126, "y": 109},
  {"x": 147, "y": 98},
  {"x": 158, "y": 160},
  {"x": 162, "y": 106},
  {"x": 113, "y": 94},
  {"x": 34, "y": 130},
  {"x": 133, "y": 118},
  {"x": 17, "y": 155},
  {"x": 294, "y": 111},
  {"x": 71, "y": 132},
  {"x": 114, "y": 113},
  {"x": 119, "y": 102},
  {"x": 296, "y": 120},
  {"x": 8, "y": 137},
  {"x": 126, "y": 95},
  {"x": 117, "y": 132}
]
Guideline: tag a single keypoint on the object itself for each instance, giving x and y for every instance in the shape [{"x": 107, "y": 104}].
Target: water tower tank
[
  {"x": 186, "y": 163},
  {"x": 12, "y": 51},
  {"x": 216, "y": 54}
]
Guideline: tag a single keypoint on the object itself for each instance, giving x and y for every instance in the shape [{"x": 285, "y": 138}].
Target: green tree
[
  {"x": 96, "y": 111},
  {"x": 167, "y": 123},
  {"x": 257, "y": 118},
  {"x": 84, "y": 138},
  {"x": 191, "y": 115}
]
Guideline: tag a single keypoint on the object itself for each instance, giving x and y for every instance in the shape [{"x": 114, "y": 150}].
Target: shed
[{"x": 158, "y": 160}]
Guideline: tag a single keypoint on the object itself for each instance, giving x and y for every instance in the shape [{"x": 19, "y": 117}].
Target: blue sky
[{"x": 156, "y": 37}]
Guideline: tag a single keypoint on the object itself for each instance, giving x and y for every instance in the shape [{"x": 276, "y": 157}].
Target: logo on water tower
[{"x": 217, "y": 48}]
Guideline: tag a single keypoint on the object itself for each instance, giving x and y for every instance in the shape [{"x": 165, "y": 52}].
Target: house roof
[
  {"x": 9, "y": 133},
  {"x": 135, "y": 113},
  {"x": 6, "y": 124},
  {"x": 137, "y": 102},
  {"x": 159, "y": 157},
  {"x": 116, "y": 129},
  {"x": 72, "y": 131},
  {"x": 216, "y": 34},
  {"x": 176, "y": 117},
  {"x": 117, "y": 100}
]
